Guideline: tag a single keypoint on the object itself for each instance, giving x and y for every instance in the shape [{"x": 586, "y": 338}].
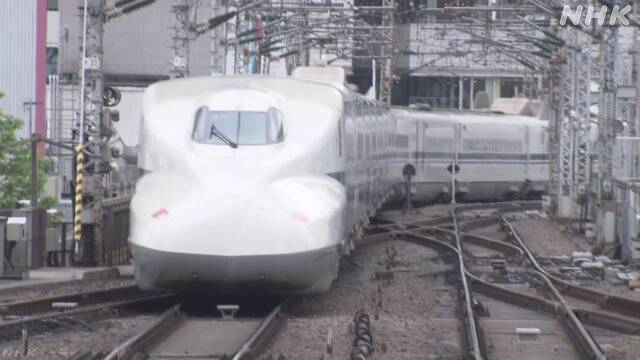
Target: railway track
[
  {"x": 177, "y": 335},
  {"x": 38, "y": 315},
  {"x": 174, "y": 333},
  {"x": 450, "y": 234},
  {"x": 72, "y": 301}
]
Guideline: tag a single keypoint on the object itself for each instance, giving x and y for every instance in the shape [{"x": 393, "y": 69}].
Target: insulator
[
  {"x": 127, "y": 6},
  {"x": 121, "y": 3},
  {"x": 219, "y": 20},
  {"x": 265, "y": 50}
]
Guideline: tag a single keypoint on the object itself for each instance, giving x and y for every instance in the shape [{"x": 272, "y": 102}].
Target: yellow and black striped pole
[{"x": 77, "y": 216}]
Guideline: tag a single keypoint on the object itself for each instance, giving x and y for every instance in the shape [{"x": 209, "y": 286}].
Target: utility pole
[
  {"x": 34, "y": 171},
  {"x": 182, "y": 29},
  {"x": 555, "y": 81},
  {"x": 637, "y": 71},
  {"x": 91, "y": 125},
  {"x": 94, "y": 122},
  {"x": 386, "y": 73}
]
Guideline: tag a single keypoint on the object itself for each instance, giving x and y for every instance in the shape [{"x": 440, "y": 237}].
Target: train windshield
[{"x": 238, "y": 127}]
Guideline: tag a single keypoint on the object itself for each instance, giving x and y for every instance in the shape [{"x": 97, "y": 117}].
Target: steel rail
[
  {"x": 570, "y": 317},
  {"x": 167, "y": 322},
  {"x": 84, "y": 298},
  {"x": 136, "y": 346},
  {"x": 259, "y": 340},
  {"x": 394, "y": 227},
  {"x": 504, "y": 207},
  {"x": 604, "y": 300},
  {"x": 83, "y": 310},
  {"x": 519, "y": 298},
  {"x": 614, "y": 303},
  {"x": 473, "y": 336},
  {"x": 507, "y": 249},
  {"x": 585, "y": 343}
]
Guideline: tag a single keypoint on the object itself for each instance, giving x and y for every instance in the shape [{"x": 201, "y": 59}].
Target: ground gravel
[
  {"x": 60, "y": 288},
  {"x": 97, "y": 337},
  {"x": 416, "y": 320}
]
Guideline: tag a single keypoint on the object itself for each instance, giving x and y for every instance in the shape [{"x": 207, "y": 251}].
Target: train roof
[
  {"x": 289, "y": 87},
  {"x": 466, "y": 116},
  {"x": 194, "y": 87}
]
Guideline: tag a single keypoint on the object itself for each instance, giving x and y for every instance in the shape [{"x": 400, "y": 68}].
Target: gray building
[
  {"x": 137, "y": 46},
  {"x": 23, "y": 72},
  {"x": 445, "y": 61}
]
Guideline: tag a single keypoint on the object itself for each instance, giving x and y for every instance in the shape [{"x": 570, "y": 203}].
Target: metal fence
[{"x": 116, "y": 232}]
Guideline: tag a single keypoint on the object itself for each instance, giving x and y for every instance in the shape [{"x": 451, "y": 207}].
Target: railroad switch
[
  {"x": 498, "y": 264},
  {"x": 479, "y": 308},
  {"x": 528, "y": 334},
  {"x": 228, "y": 312},
  {"x": 64, "y": 305}
]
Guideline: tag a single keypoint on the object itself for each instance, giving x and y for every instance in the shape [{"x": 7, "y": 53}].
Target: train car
[
  {"x": 256, "y": 184},
  {"x": 496, "y": 156}
]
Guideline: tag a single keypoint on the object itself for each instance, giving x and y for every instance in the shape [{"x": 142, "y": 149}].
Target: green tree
[{"x": 15, "y": 164}]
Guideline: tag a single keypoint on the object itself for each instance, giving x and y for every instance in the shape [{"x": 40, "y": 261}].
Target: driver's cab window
[{"x": 239, "y": 127}]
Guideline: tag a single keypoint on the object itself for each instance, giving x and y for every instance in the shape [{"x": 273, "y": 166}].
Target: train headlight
[
  {"x": 301, "y": 217},
  {"x": 160, "y": 213}
]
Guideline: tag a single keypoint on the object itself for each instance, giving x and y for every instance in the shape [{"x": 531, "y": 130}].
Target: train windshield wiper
[{"x": 214, "y": 132}]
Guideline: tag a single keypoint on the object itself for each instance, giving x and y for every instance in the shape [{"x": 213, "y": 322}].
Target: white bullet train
[
  {"x": 256, "y": 184},
  {"x": 498, "y": 156}
]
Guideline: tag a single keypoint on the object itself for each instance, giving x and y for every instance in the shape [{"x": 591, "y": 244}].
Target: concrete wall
[
  {"x": 138, "y": 44},
  {"x": 439, "y": 49},
  {"x": 22, "y": 63}
]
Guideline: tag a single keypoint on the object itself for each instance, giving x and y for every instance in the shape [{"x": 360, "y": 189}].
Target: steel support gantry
[
  {"x": 574, "y": 127},
  {"x": 608, "y": 114}
]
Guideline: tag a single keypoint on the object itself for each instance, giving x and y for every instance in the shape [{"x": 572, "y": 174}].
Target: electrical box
[
  {"x": 18, "y": 243},
  {"x": 17, "y": 229},
  {"x": 51, "y": 239}
]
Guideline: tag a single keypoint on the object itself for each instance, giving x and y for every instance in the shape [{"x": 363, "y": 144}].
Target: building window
[
  {"x": 510, "y": 88},
  {"x": 52, "y": 5},
  {"x": 52, "y": 60}
]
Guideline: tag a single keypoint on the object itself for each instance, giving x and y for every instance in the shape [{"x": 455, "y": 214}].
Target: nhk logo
[{"x": 617, "y": 15}]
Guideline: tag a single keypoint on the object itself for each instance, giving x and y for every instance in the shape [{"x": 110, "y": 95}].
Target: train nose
[
  {"x": 306, "y": 272},
  {"x": 237, "y": 244}
]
